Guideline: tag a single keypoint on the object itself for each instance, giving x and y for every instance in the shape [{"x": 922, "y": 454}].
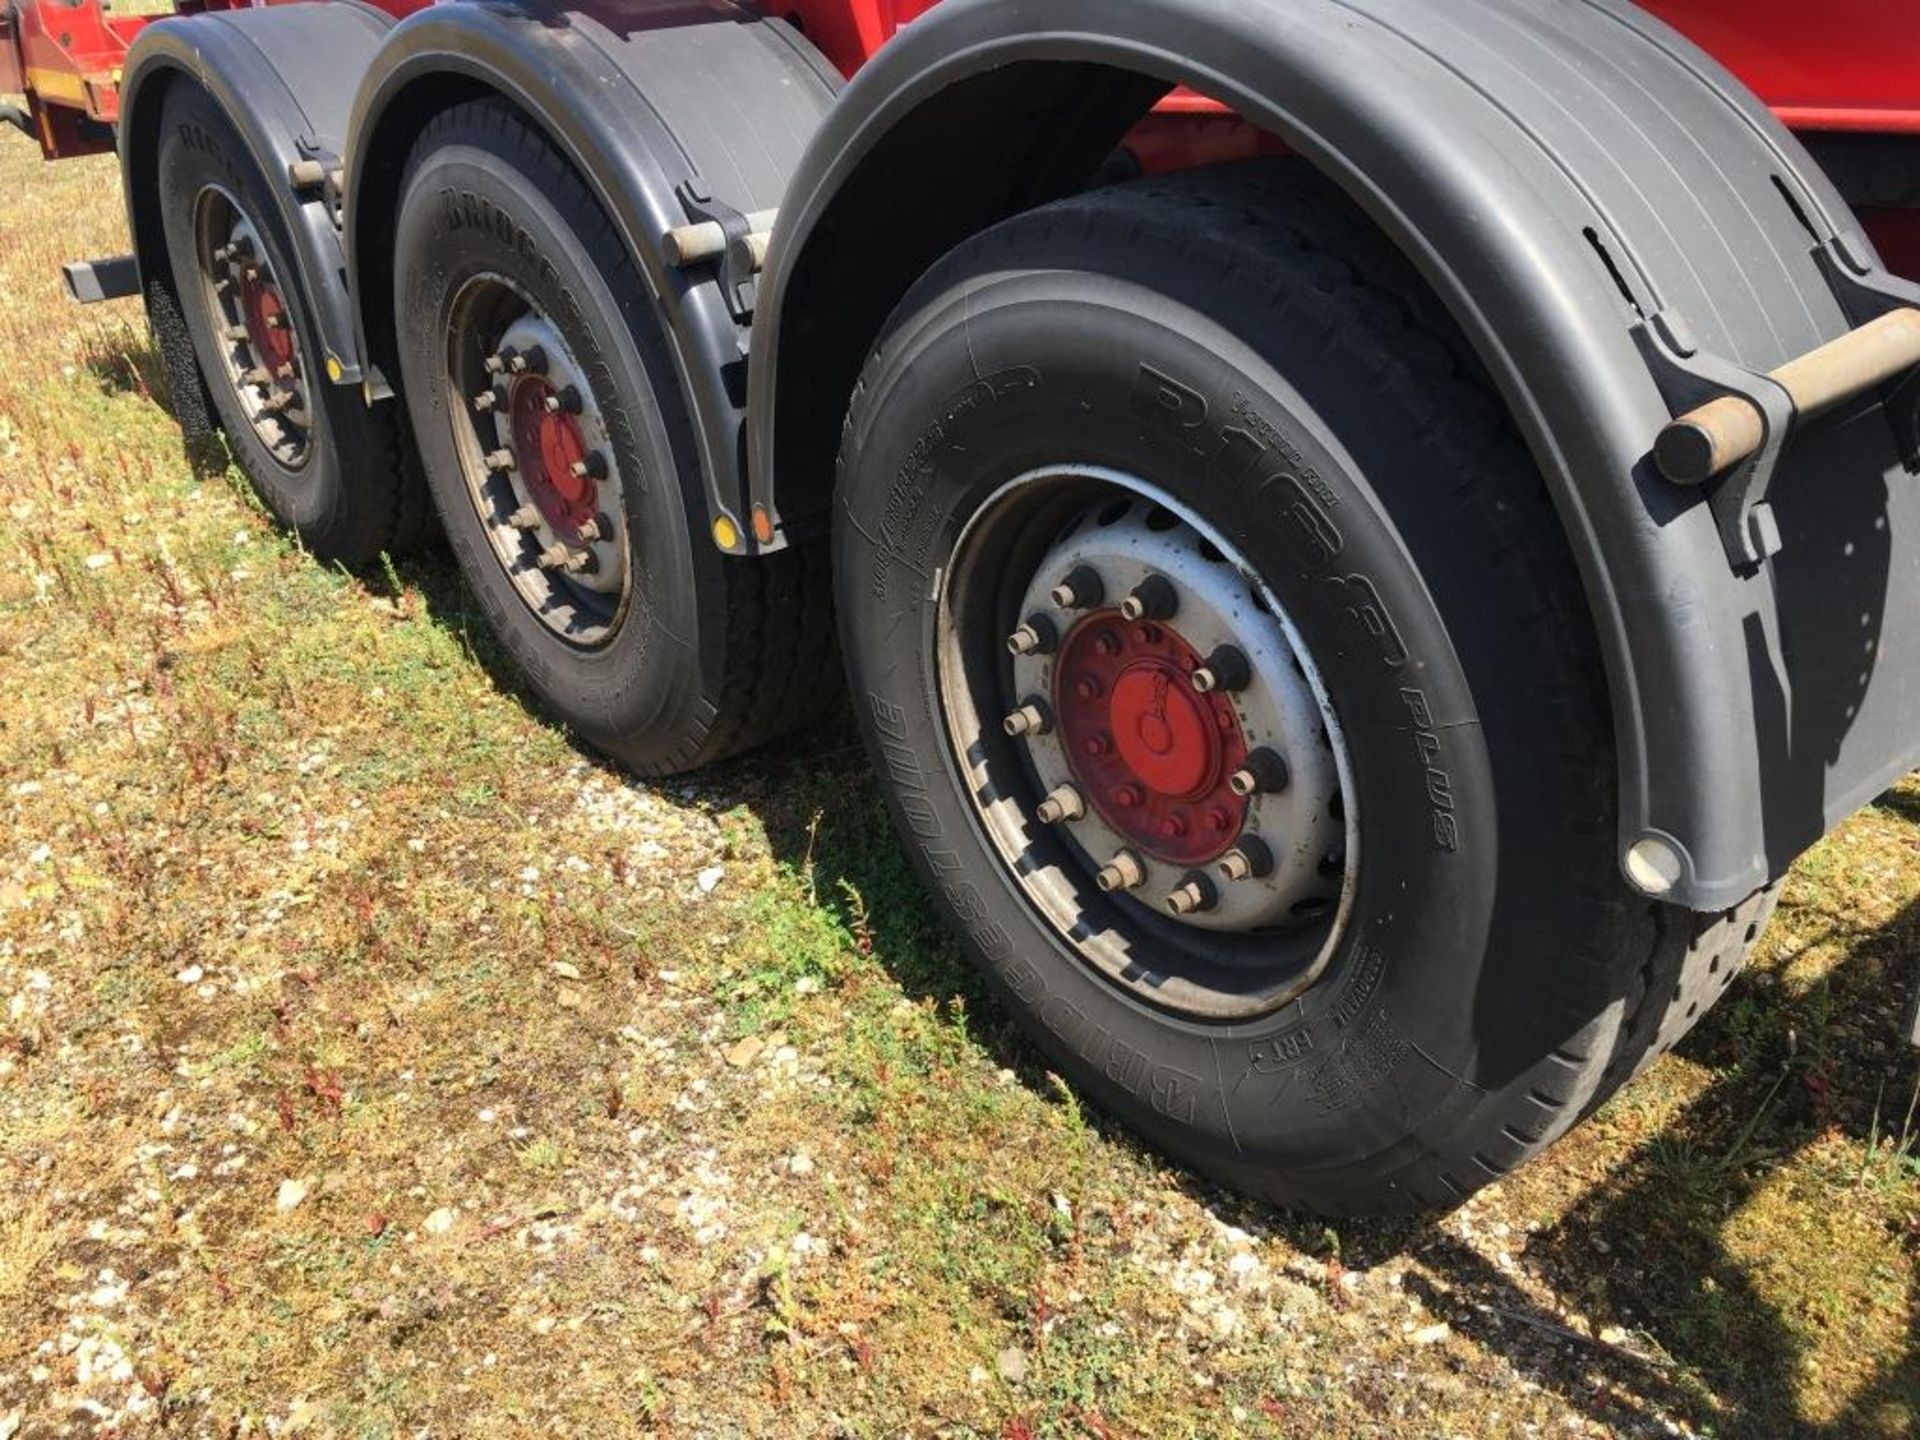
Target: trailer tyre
[
  {"x": 324, "y": 463},
  {"x": 1231, "y": 683},
  {"x": 564, "y": 466}
]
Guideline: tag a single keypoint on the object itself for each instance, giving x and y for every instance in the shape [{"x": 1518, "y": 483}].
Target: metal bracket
[
  {"x": 1867, "y": 292},
  {"x": 317, "y": 176},
  {"x": 1688, "y": 379},
  {"x": 739, "y": 275}
]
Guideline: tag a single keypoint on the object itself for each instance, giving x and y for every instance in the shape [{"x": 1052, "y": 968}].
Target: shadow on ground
[{"x": 1641, "y": 1249}]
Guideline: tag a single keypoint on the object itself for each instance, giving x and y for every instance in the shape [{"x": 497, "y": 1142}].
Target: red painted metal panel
[{"x": 1835, "y": 65}]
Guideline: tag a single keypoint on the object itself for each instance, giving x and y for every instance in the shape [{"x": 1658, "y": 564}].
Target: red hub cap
[
  {"x": 547, "y": 445},
  {"x": 268, "y": 329},
  {"x": 1152, "y": 754}
]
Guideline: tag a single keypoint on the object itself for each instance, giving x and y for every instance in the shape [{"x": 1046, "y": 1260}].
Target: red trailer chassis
[{"x": 1850, "y": 68}]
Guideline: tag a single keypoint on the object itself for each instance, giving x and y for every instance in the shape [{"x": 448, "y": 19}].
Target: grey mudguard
[
  {"x": 644, "y": 98},
  {"x": 1560, "y": 170},
  {"x": 276, "y": 72}
]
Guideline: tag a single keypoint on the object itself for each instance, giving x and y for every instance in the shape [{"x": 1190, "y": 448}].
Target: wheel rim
[
  {"x": 539, "y": 469},
  {"x": 1147, "y": 743},
  {"x": 253, "y": 328}
]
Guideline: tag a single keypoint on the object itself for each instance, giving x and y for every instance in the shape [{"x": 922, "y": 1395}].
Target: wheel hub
[
  {"x": 540, "y": 464},
  {"x": 550, "y": 450},
  {"x": 269, "y": 328},
  {"x": 1169, "y": 721},
  {"x": 253, "y": 325},
  {"x": 1153, "y": 755}
]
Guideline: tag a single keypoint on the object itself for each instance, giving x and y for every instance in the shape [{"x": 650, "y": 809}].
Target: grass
[{"x": 372, "y": 1063}]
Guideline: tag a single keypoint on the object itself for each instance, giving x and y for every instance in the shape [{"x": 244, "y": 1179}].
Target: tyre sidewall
[
  {"x": 1047, "y": 368},
  {"x": 468, "y": 208}
]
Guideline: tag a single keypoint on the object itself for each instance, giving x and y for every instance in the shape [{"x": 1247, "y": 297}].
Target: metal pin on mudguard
[
  {"x": 1196, "y": 893},
  {"x": 1265, "y": 773},
  {"x": 1251, "y": 859},
  {"x": 1123, "y": 872},
  {"x": 1036, "y": 636},
  {"x": 1065, "y": 803},
  {"x": 1227, "y": 670},
  {"x": 1083, "y": 589},
  {"x": 1032, "y": 718},
  {"x": 1154, "y": 598}
]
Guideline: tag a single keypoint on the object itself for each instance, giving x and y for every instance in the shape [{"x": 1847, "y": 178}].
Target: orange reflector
[
  {"x": 762, "y": 525},
  {"x": 726, "y": 534}
]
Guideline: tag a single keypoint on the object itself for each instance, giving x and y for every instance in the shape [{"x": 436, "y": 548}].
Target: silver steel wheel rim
[
  {"x": 269, "y": 380},
  {"x": 1259, "y": 951},
  {"x": 577, "y": 580}
]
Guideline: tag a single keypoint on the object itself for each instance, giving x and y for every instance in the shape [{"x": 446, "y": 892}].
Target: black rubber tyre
[
  {"x": 714, "y": 655},
  {"x": 1495, "y": 978},
  {"x": 355, "y": 494}
]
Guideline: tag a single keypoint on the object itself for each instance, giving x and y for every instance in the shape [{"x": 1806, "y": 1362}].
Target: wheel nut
[
  {"x": 1036, "y": 636},
  {"x": 525, "y": 518},
  {"x": 1063, "y": 804},
  {"x": 256, "y": 376},
  {"x": 1265, "y": 773},
  {"x": 239, "y": 334},
  {"x": 560, "y": 557},
  {"x": 1032, "y": 718},
  {"x": 565, "y": 401},
  {"x": 485, "y": 401},
  {"x": 1226, "y": 670},
  {"x": 592, "y": 531},
  {"x": 1196, "y": 893},
  {"x": 278, "y": 401},
  {"x": 498, "y": 364},
  {"x": 1083, "y": 589},
  {"x": 532, "y": 360},
  {"x": 1251, "y": 859},
  {"x": 1154, "y": 598},
  {"x": 594, "y": 467},
  {"x": 1123, "y": 872},
  {"x": 500, "y": 461}
]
